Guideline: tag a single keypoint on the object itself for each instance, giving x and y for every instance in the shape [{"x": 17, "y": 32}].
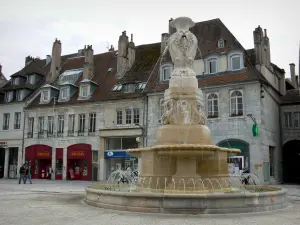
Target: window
[
  {"x": 17, "y": 120},
  {"x": 117, "y": 87},
  {"x": 288, "y": 119},
  {"x": 6, "y": 121},
  {"x": 30, "y": 127},
  {"x": 271, "y": 160},
  {"x": 120, "y": 143},
  {"x": 212, "y": 66},
  {"x": 19, "y": 95},
  {"x": 30, "y": 79},
  {"x": 15, "y": 81},
  {"x": 81, "y": 124},
  {"x": 236, "y": 101},
  {"x": 296, "y": 119},
  {"x": 136, "y": 116},
  {"x": 119, "y": 117},
  {"x": 60, "y": 130},
  {"x": 212, "y": 106},
  {"x": 129, "y": 88},
  {"x": 92, "y": 127},
  {"x": 45, "y": 95},
  {"x": 64, "y": 93},
  {"x": 235, "y": 61},
  {"x": 50, "y": 125},
  {"x": 71, "y": 125},
  {"x": 221, "y": 43},
  {"x": 84, "y": 91},
  {"x": 41, "y": 127},
  {"x": 8, "y": 96},
  {"x": 166, "y": 73},
  {"x": 128, "y": 116}
]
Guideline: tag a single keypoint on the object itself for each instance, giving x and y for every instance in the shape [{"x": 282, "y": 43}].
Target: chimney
[
  {"x": 131, "y": 52},
  {"x": 265, "y": 33},
  {"x": 88, "y": 67},
  {"x": 0, "y": 69},
  {"x": 48, "y": 59},
  {"x": 172, "y": 30},
  {"x": 28, "y": 60},
  {"x": 164, "y": 42},
  {"x": 293, "y": 75},
  {"x": 56, "y": 60},
  {"x": 111, "y": 48},
  {"x": 122, "y": 63}
]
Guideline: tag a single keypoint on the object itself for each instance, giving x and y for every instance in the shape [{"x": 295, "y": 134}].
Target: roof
[
  {"x": 291, "y": 96},
  {"x": 106, "y": 80}
]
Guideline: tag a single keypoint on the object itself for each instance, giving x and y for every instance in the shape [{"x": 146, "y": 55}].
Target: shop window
[
  {"x": 128, "y": 116},
  {"x": 95, "y": 156},
  {"x": 113, "y": 143},
  {"x": 119, "y": 117},
  {"x": 85, "y": 168},
  {"x": 128, "y": 143},
  {"x": 136, "y": 116},
  {"x": 36, "y": 167},
  {"x": 59, "y": 166}
]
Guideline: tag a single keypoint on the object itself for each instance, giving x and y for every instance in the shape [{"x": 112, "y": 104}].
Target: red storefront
[
  {"x": 39, "y": 157},
  {"x": 59, "y": 163},
  {"x": 79, "y": 162}
]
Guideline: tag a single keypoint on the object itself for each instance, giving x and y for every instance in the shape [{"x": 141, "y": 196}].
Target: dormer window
[
  {"x": 129, "y": 88},
  {"x": 117, "y": 87},
  {"x": 221, "y": 43},
  {"x": 235, "y": 61},
  {"x": 8, "y": 96},
  {"x": 19, "y": 95},
  {"x": 45, "y": 95},
  {"x": 30, "y": 79},
  {"x": 64, "y": 93},
  {"x": 15, "y": 81},
  {"x": 165, "y": 73},
  {"x": 84, "y": 91},
  {"x": 212, "y": 65}
]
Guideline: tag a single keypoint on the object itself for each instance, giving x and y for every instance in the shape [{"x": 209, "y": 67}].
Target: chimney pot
[
  {"x": 131, "y": 38},
  {"x": 265, "y": 33}
]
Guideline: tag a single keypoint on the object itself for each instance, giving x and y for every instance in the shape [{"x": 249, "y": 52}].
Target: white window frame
[
  {"x": 82, "y": 92},
  {"x": 213, "y": 58},
  {"x": 128, "y": 116},
  {"x": 243, "y": 103},
  {"x": 136, "y": 116},
  {"x": 8, "y": 96},
  {"x": 50, "y": 128},
  {"x": 233, "y": 55},
  {"x": 61, "y": 124},
  {"x": 212, "y": 100},
  {"x": 19, "y": 95},
  {"x": 290, "y": 120},
  {"x": 92, "y": 122},
  {"x": 81, "y": 125},
  {"x": 221, "y": 43},
  {"x": 45, "y": 93},
  {"x": 6, "y": 118},
  {"x": 41, "y": 124},
  {"x": 119, "y": 117},
  {"x": 17, "y": 124},
  {"x": 66, "y": 89},
  {"x": 162, "y": 72},
  {"x": 71, "y": 123}
]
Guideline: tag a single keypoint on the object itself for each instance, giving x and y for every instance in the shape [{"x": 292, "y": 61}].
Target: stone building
[
  {"x": 13, "y": 97},
  {"x": 242, "y": 88},
  {"x": 290, "y": 128}
]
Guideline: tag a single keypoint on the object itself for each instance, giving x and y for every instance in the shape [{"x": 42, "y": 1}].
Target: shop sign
[
  {"x": 43, "y": 154},
  {"x": 3, "y": 144},
  {"x": 77, "y": 153},
  {"x": 117, "y": 154}
]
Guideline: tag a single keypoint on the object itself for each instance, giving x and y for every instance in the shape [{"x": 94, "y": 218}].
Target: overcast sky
[{"x": 30, "y": 27}]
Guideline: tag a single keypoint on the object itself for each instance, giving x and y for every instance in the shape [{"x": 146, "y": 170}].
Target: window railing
[
  {"x": 80, "y": 133},
  {"x": 5, "y": 127},
  {"x": 29, "y": 135}
]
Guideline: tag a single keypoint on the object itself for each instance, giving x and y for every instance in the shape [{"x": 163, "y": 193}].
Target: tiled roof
[{"x": 291, "y": 96}]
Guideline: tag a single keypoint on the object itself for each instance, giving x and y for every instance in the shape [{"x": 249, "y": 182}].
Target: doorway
[
  {"x": 2, "y": 159},
  {"x": 291, "y": 162}
]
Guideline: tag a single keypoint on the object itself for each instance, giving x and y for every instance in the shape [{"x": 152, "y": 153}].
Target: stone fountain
[{"x": 184, "y": 172}]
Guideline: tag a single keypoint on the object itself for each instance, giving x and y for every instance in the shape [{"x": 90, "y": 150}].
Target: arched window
[
  {"x": 212, "y": 106},
  {"x": 236, "y": 103},
  {"x": 236, "y": 62},
  {"x": 212, "y": 66}
]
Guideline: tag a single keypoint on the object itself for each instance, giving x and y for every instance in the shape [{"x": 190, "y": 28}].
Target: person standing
[
  {"x": 28, "y": 175},
  {"x": 50, "y": 171},
  {"x": 22, "y": 173}
]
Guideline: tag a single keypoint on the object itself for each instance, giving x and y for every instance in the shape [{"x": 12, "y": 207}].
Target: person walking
[
  {"x": 28, "y": 175},
  {"x": 22, "y": 173},
  {"x": 50, "y": 171}
]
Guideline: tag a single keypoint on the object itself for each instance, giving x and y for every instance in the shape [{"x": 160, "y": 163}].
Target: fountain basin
[{"x": 188, "y": 203}]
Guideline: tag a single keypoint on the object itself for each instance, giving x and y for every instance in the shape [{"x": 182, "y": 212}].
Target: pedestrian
[
  {"x": 50, "y": 171},
  {"x": 22, "y": 173},
  {"x": 28, "y": 175}
]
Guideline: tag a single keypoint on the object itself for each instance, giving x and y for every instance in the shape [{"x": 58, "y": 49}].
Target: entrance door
[
  {"x": 2, "y": 158},
  {"x": 291, "y": 162}
]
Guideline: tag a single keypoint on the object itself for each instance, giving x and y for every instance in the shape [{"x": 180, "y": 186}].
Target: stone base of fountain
[{"x": 210, "y": 203}]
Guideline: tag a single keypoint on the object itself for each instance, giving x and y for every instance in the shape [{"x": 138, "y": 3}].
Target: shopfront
[
  {"x": 39, "y": 157},
  {"x": 79, "y": 162},
  {"x": 59, "y": 164}
]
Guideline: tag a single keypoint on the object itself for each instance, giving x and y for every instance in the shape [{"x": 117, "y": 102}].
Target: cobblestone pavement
[{"x": 55, "y": 202}]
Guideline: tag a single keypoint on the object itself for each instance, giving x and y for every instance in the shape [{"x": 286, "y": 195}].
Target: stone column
[
  {"x": 53, "y": 162},
  {"x": 64, "y": 175},
  {"x": 6, "y": 163},
  {"x": 102, "y": 169},
  {"x": 20, "y": 160}
]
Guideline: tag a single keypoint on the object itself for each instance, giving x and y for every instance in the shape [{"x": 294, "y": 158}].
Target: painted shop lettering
[
  {"x": 77, "y": 154},
  {"x": 43, "y": 154}
]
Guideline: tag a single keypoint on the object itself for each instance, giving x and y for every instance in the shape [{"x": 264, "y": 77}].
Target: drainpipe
[
  {"x": 280, "y": 178},
  {"x": 23, "y": 152}
]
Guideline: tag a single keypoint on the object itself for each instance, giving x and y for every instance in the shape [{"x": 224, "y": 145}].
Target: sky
[{"x": 30, "y": 27}]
